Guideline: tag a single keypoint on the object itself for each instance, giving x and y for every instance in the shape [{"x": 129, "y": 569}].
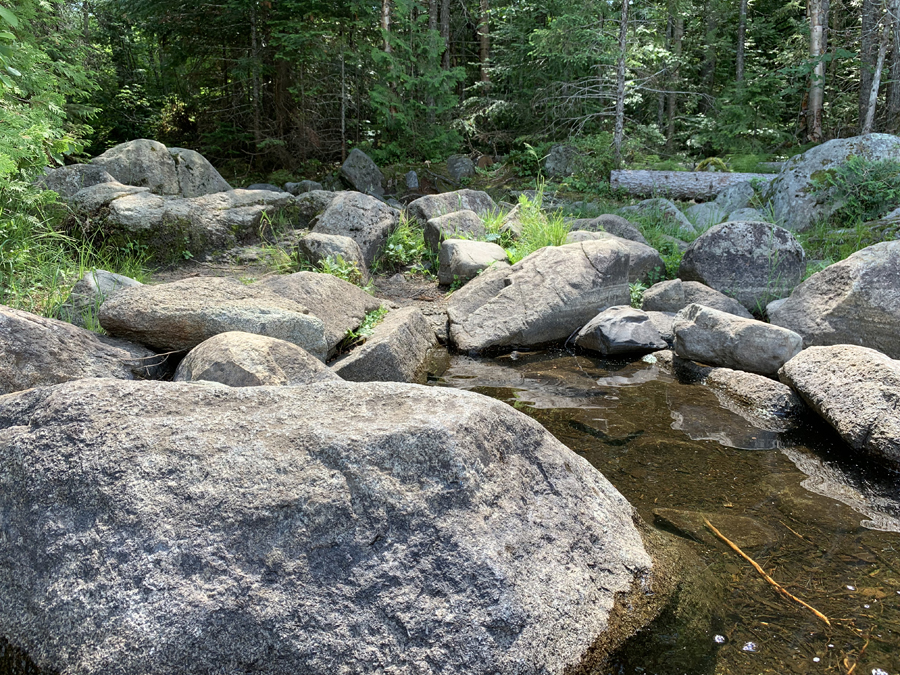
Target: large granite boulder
[
  {"x": 180, "y": 315},
  {"x": 143, "y": 163},
  {"x": 340, "y": 305},
  {"x": 162, "y": 528},
  {"x": 791, "y": 194},
  {"x": 361, "y": 217},
  {"x": 462, "y": 260},
  {"x": 91, "y": 291},
  {"x": 313, "y": 203},
  {"x": 646, "y": 264},
  {"x": 196, "y": 176},
  {"x": 246, "y": 360},
  {"x": 543, "y": 298},
  {"x": 36, "y": 351},
  {"x": 735, "y": 197},
  {"x": 456, "y": 225},
  {"x": 856, "y": 390},
  {"x": 315, "y": 247},
  {"x": 91, "y": 199},
  {"x": 721, "y": 339},
  {"x": 67, "y": 180},
  {"x": 674, "y": 295},
  {"x": 855, "y": 301},
  {"x": 611, "y": 223},
  {"x": 362, "y": 174},
  {"x": 620, "y": 330},
  {"x": 753, "y": 262},
  {"x": 425, "y": 208},
  {"x": 397, "y": 351}
]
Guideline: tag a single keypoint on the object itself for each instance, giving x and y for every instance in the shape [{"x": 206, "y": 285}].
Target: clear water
[{"x": 821, "y": 523}]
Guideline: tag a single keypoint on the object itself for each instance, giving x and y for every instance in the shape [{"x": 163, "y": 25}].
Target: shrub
[{"x": 864, "y": 189}]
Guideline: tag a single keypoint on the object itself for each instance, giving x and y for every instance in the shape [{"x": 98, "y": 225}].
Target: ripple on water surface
[{"x": 823, "y": 526}]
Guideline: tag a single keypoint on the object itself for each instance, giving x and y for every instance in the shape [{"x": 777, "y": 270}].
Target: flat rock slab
[
  {"x": 752, "y": 262},
  {"x": 160, "y": 527},
  {"x": 245, "y": 360},
  {"x": 462, "y": 260},
  {"x": 180, "y": 315},
  {"x": 646, "y": 263},
  {"x": 743, "y": 531},
  {"x": 364, "y": 219},
  {"x": 674, "y": 295},
  {"x": 620, "y": 330},
  {"x": 340, "y": 305},
  {"x": 67, "y": 180},
  {"x": 36, "y": 351},
  {"x": 855, "y": 301},
  {"x": 425, "y": 208},
  {"x": 543, "y": 298},
  {"x": 720, "y": 339},
  {"x": 856, "y": 390},
  {"x": 397, "y": 351},
  {"x": 457, "y": 225}
]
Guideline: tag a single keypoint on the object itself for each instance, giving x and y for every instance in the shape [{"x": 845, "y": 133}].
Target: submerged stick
[{"x": 756, "y": 566}]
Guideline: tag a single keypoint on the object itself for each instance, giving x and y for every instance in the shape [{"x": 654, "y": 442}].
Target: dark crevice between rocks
[{"x": 15, "y": 661}]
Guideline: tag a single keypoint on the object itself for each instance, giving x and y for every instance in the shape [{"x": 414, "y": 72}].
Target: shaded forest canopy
[{"x": 285, "y": 84}]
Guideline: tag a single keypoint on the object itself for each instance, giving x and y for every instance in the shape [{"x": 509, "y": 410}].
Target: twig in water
[
  {"x": 858, "y": 657},
  {"x": 765, "y": 576}
]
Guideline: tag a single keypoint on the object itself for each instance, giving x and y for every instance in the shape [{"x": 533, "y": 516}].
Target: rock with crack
[
  {"x": 168, "y": 527},
  {"x": 646, "y": 263},
  {"x": 143, "y": 163},
  {"x": 397, "y": 351},
  {"x": 246, "y": 360},
  {"x": 36, "y": 351},
  {"x": 180, "y": 315},
  {"x": 543, "y": 298}
]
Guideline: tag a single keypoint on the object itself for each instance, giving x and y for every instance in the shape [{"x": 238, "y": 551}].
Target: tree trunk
[
  {"x": 867, "y": 47},
  {"x": 343, "y": 102},
  {"x": 893, "y": 100},
  {"x": 433, "y": 18},
  {"x": 818, "y": 22},
  {"x": 701, "y": 185},
  {"x": 709, "y": 59},
  {"x": 741, "y": 40},
  {"x": 484, "y": 40},
  {"x": 869, "y": 121},
  {"x": 386, "y": 24},
  {"x": 677, "y": 35},
  {"x": 254, "y": 57},
  {"x": 619, "y": 135},
  {"x": 445, "y": 33}
]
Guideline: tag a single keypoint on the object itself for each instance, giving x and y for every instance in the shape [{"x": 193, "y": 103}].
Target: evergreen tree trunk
[
  {"x": 254, "y": 57},
  {"x": 818, "y": 43},
  {"x": 867, "y": 49},
  {"x": 386, "y": 24},
  {"x": 869, "y": 122},
  {"x": 893, "y": 100},
  {"x": 619, "y": 134},
  {"x": 677, "y": 35},
  {"x": 484, "y": 40},
  {"x": 445, "y": 33},
  {"x": 432, "y": 28},
  {"x": 709, "y": 59},
  {"x": 741, "y": 40}
]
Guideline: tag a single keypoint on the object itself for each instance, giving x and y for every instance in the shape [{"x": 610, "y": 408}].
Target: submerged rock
[{"x": 382, "y": 527}]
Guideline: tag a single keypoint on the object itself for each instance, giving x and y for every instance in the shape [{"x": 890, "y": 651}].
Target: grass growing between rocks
[
  {"x": 354, "y": 338},
  {"x": 663, "y": 234},
  {"x": 405, "y": 247},
  {"x": 38, "y": 263}
]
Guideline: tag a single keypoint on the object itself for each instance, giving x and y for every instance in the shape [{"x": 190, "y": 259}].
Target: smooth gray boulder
[
  {"x": 241, "y": 359},
  {"x": 340, "y": 305},
  {"x": 180, "y": 315},
  {"x": 67, "y": 180},
  {"x": 735, "y": 197},
  {"x": 611, "y": 223},
  {"x": 674, "y": 295},
  {"x": 463, "y": 260},
  {"x": 663, "y": 210},
  {"x": 425, "y": 208},
  {"x": 316, "y": 247},
  {"x": 855, "y": 301},
  {"x": 620, "y": 330},
  {"x": 459, "y": 167},
  {"x": 856, "y": 390},
  {"x": 646, "y": 265},
  {"x": 721, "y": 339},
  {"x": 705, "y": 215},
  {"x": 749, "y": 214},
  {"x": 543, "y": 298},
  {"x": 397, "y": 351},
  {"x": 162, "y": 527},
  {"x": 36, "y": 351},
  {"x": 302, "y": 187},
  {"x": 361, "y": 217},
  {"x": 196, "y": 176},
  {"x": 362, "y": 174},
  {"x": 562, "y": 161},
  {"x": 753, "y": 262},
  {"x": 791, "y": 194},
  {"x": 91, "y": 291},
  {"x": 90, "y": 200},
  {"x": 456, "y": 225},
  {"x": 142, "y": 163}
]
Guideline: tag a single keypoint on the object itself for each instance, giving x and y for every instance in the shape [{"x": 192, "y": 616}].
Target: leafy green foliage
[
  {"x": 636, "y": 292},
  {"x": 342, "y": 269},
  {"x": 864, "y": 189},
  {"x": 538, "y": 229},
  {"x": 404, "y": 247},
  {"x": 354, "y": 338}
]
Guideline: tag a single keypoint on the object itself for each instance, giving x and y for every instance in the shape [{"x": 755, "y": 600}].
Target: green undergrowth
[
  {"x": 39, "y": 264},
  {"x": 354, "y": 338}
]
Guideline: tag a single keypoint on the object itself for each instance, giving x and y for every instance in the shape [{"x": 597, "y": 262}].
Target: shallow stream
[{"x": 822, "y": 524}]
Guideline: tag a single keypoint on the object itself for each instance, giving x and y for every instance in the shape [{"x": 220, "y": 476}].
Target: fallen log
[{"x": 699, "y": 185}]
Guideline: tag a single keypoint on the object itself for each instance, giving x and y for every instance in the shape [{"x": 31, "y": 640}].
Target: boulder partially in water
[{"x": 159, "y": 527}]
